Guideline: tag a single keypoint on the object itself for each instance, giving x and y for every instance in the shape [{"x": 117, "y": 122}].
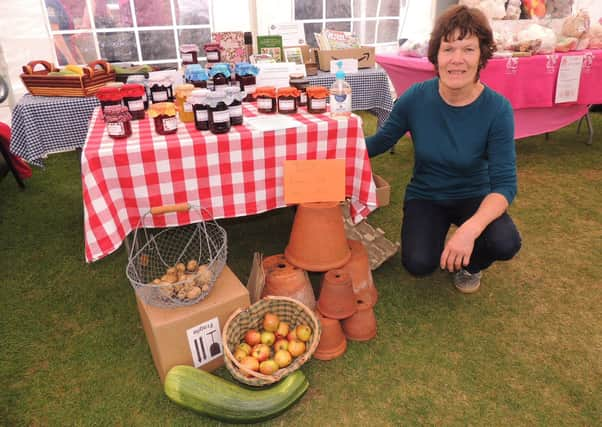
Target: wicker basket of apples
[{"x": 269, "y": 340}]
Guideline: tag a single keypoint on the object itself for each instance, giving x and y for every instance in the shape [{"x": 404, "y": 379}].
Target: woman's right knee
[{"x": 418, "y": 265}]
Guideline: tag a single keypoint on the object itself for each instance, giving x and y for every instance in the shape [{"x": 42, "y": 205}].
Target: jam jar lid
[
  {"x": 198, "y": 96},
  {"x": 117, "y": 114},
  {"x": 212, "y": 46},
  {"x": 184, "y": 90},
  {"x": 214, "y": 98},
  {"x": 317, "y": 92},
  {"x": 195, "y": 72},
  {"x": 269, "y": 91},
  {"x": 162, "y": 108},
  {"x": 288, "y": 91},
  {"x": 220, "y": 68},
  {"x": 245, "y": 69},
  {"x": 188, "y": 48},
  {"x": 107, "y": 93},
  {"x": 132, "y": 90},
  {"x": 297, "y": 78}
]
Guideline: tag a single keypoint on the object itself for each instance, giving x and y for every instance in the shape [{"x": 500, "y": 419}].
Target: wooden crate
[{"x": 38, "y": 82}]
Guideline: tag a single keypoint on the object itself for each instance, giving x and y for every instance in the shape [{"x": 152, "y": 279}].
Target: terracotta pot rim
[
  {"x": 332, "y": 353},
  {"x": 334, "y": 315},
  {"x": 366, "y": 337},
  {"x": 317, "y": 267}
]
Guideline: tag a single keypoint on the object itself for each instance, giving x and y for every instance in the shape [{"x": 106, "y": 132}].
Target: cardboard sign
[{"x": 307, "y": 181}]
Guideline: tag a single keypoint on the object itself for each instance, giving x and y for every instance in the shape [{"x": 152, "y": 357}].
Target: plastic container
[
  {"x": 340, "y": 95},
  {"x": 133, "y": 99},
  {"x": 184, "y": 107},
  {"x": 164, "y": 117},
  {"x": 300, "y": 82},
  {"x": 198, "y": 99},
  {"x": 266, "y": 99},
  {"x": 118, "y": 121},
  {"x": 316, "y": 99},
  {"x": 287, "y": 100}
]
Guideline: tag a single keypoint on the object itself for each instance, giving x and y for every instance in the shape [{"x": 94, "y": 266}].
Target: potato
[
  {"x": 180, "y": 267},
  {"x": 192, "y": 265},
  {"x": 193, "y": 293}
]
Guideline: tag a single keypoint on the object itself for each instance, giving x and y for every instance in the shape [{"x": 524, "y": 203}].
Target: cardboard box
[
  {"x": 364, "y": 55},
  {"x": 383, "y": 191},
  {"x": 192, "y": 335}
]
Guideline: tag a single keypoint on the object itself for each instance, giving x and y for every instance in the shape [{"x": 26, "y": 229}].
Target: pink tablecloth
[
  {"x": 529, "y": 84},
  {"x": 229, "y": 175}
]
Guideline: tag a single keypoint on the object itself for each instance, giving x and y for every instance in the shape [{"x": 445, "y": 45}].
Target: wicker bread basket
[
  {"x": 287, "y": 309},
  {"x": 95, "y": 75}
]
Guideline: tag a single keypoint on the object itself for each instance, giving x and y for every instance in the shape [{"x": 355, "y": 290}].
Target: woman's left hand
[{"x": 458, "y": 249}]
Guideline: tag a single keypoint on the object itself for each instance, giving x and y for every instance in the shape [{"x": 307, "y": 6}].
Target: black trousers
[{"x": 425, "y": 226}]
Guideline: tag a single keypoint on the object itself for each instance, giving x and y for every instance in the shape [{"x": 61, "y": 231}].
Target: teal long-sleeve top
[{"x": 459, "y": 152}]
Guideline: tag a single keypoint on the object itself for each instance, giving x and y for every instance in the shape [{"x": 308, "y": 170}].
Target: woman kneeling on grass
[{"x": 465, "y": 162}]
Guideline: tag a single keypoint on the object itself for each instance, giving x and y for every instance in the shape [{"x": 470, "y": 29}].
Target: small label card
[
  {"x": 569, "y": 76},
  {"x": 349, "y": 65},
  {"x": 205, "y": 342}
]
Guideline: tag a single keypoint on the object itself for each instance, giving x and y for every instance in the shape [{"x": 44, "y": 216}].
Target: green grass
[{"x": 526, "y": 349}]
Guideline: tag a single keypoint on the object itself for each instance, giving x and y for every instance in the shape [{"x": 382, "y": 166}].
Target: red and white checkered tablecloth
[{"x": 229, "y": 175}]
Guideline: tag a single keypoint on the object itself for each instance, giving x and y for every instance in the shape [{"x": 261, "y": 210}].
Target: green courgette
[{"x": 218, "y": 398}]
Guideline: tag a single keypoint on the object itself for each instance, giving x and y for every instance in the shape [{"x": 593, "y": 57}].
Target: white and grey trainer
[{"x": 466, "y": 282}]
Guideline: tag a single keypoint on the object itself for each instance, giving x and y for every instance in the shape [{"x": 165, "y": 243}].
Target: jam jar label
[
  {"x": 318, "y": 104},
  {"x": 137, "y": 105},
  {"x": 187, "y": 107},
  {"x": 170, "y": 123},
  {"x": 286, "y": 104},
  {"x": 202, "y": 116},
  {"x": 115, "y": 129},
  {"x": 303, "y": 98},
  {"x": 249, "y": 89},
  {"x": 187, "y": 57},
  {"x": 212, "y": 56},
  {"x": 235, "y": 110},
  {"x": 221, "y": 116},
  {"x": 160, "y": 96},
  {"x": 264, "y": 103}
]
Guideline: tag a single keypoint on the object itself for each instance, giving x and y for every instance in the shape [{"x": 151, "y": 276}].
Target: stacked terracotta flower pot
[{"x": 318, "y": 244}]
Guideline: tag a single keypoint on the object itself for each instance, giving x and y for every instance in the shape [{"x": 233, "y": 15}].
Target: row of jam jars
[
  {"x": 287, "y": 99},
  {"x": 118, "y": 120},
  {"x": 266, "y": 99},
  {"x": 133, "y": 99},
  {"x": 164, "y": 117},
  {"x": 316, "y": 99},
  {"x": 220, "y": 74},
  {"x": 246, "y": 76},
  {"x": 109, "y": 96},
  {"x": 185, "y": 110},
  {"x": 189, "y": 54},
  {"x": 196, "y": 75},
  {"x": 161, "y": 89},
  {"x": 139, "y": 79}
]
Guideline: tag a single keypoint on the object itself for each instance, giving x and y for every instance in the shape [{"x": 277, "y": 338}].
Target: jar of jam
[
  {"x": 266, "y": 99},
  {"x": 316, "y": 99},
  {"x": 139, "y": 79},
  {"x": 164, "y": 116},
  {"x": 196, "y": 75},
  {"x": 132, "y": 98},
  {"x": 189, "y": 53},
  {"x": 198, "y": 99},
  {"x": 108, "y": 96},
  {"x": 160, "y": 89},
  {"x": 118, "y": 121},
  {"x": 220, "y": 74},
  {"x": 245, "y": 75},
  {"x": 234, "y": 97},
  {"x": 287, "y": 100},
  {"x": 213, "y": 52},
  {"x": 300, "y": 82},
  {"x": 219, "y": 115},
  {"x": 184, "y": 107}
]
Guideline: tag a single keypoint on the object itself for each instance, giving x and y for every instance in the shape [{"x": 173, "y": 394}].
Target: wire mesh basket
[{"x": 176, "y": 266}]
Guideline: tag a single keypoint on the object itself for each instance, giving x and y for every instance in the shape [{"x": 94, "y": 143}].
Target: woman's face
[{"x": 458, "y": 62}]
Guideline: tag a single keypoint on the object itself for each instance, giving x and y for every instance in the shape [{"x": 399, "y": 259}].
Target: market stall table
[
  {"x": 43, "y": 125},
  {"x": 529, "y": 83},
  {"x": 234, "y": 174}
]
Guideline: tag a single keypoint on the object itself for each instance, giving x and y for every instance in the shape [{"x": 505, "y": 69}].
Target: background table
[
  {"x": 370, "y": 90},
  {"x": 234, "y": 174},
  {"x": 43, "y": 125},
  {"x": 529, "y": 83}
]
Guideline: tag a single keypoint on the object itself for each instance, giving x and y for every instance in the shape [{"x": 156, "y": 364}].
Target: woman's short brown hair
[{"x": 467, "y": 21}]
